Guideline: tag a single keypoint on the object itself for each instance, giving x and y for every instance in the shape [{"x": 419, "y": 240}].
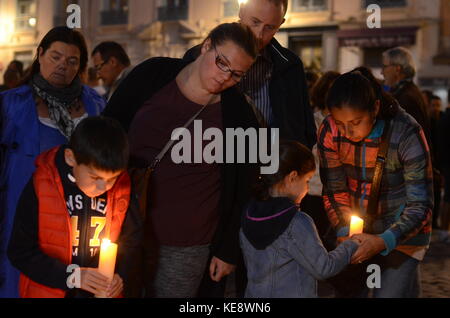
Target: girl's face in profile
[
  {"x": 296, "y": 186},
  {"x": 352, "y": 123}
]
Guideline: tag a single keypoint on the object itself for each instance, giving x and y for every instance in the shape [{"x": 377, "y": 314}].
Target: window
[
  {"x": 309, "y": 5},
  {"x": 114, "y": 12},
  {"x": 25, "y": 15},
  {"x": 61, "y": 14},
  {"x": 173, "y": 10},
  {"x": 230, "y": 8},
  {"x": 385, "y": 3},
  {"x": 309, "y": 49}
]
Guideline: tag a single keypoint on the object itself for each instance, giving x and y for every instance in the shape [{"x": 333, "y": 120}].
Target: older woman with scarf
[{"x": 40, "y": 114}]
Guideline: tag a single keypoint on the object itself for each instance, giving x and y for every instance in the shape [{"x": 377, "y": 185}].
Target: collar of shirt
[{"x": 264, "y": 56}]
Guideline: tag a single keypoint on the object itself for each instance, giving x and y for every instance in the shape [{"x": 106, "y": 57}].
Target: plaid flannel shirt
[{"x": 405, "y": 205}]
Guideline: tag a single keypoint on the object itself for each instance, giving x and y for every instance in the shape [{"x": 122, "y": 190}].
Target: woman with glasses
[
  {"x": 35, "y": 117},
  {"x": 195, "y": 208}
]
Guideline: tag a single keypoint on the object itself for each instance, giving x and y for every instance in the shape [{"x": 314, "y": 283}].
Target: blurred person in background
[
  {"x": 112, "y": 65},
  {"x": 313, "y": 201},
  {"x": 11, "y": 79}
]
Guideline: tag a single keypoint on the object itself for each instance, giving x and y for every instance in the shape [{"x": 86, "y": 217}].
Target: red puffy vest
[{"x": 54, "y": 233}]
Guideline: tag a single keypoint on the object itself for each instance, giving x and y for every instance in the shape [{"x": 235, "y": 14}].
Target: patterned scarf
[{"x": 59, "y": 101}]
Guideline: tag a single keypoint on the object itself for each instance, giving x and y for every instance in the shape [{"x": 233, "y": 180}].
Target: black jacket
[
  {"x": 289, "y": 98},
  {"x": 444, "y": 144},
  {"x": 148, "y": 78},
  {"x": 410, "y": 99}
]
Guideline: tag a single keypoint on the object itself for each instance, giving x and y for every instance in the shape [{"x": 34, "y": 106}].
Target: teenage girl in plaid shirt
[{"x": 348, "y": 143}]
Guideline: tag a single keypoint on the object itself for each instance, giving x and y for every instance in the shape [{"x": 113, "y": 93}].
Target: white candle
[
  {"x": 107, "y": 259},
  {"x": 356, "y": 225}
]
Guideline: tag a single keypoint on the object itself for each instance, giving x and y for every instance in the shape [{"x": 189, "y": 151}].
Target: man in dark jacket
[
  {"x": 444, "y": 159},
  {"x": 399, "y": 71},
  {"x": 276, "y": 83}
]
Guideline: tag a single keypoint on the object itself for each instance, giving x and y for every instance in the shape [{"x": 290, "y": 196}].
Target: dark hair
[
  {"x": 434, "y": 97},
  {"x": 359, "y": 89},
  {"x": 11, "y": 78},
  {"x": 17, "y": 66},
  {"x": 59, "y": 34},
  {"x": 293, "y": 157},
  {"x": 428, "y": 94},
  {"x": 100, "y": 142},
  {"x": 320, "y": 89},
  {"x": 238, "y": 33},
  {"x": 112, "y": 49},
  {"x": 311, "y": 76}
]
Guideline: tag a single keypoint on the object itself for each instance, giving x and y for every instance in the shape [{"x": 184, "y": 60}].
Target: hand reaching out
[{"x": 370, "y": 246}]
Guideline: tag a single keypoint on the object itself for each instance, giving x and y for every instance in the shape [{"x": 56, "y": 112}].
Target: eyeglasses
[
  {"x": 223, "y": 66},
  {"x": 98, "y": 67}
]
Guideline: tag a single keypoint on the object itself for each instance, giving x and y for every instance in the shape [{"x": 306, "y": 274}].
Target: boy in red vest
[{"x": 78, "y": 195}]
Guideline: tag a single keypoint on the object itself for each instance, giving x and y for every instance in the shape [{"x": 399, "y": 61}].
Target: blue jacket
[
  {"x": 20, "y": 145},
  {"x": 284, "y": 255}
]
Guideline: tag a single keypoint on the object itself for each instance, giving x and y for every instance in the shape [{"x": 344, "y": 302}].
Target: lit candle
[
  {"x": 356, "y": 225},
  {"x": 107, "y": 260}
]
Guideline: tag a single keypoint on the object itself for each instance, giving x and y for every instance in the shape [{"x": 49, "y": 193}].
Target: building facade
[{"x": 326, "y": 34}]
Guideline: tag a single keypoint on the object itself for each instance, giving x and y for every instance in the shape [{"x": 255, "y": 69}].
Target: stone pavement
[{"x": 435, "y": 270}]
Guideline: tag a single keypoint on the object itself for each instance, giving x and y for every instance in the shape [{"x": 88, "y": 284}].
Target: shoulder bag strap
[
  {"x": 170, "y": 143},
  {"x": 372, "y": 206}
]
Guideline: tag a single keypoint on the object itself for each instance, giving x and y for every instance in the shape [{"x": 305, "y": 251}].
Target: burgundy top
[{"x": 184, "y": 197}]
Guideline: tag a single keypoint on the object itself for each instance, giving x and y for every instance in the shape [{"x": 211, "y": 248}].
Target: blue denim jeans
[{"x": 400, "y": 276}]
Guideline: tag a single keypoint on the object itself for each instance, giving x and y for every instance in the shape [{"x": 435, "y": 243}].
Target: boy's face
[{"x": 92, "y": 181}]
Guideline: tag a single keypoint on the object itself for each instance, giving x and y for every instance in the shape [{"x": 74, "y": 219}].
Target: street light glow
[{"x": 32, "y": 22}]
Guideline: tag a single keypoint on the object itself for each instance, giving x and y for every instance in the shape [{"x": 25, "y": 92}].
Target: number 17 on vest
[{"x": 107, "y": 260}]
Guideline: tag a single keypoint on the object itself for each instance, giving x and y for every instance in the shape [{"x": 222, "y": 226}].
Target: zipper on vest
[{"x": 85, "y": 233}]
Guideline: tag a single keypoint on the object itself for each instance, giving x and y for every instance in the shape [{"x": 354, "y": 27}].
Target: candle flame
[
  {"x": 356, "y": 218},
  {"x": 106, "y": 243}
]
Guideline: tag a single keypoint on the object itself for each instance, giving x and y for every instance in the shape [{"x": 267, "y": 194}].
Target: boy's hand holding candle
[
  {"x": 106, "y": 267},
  {"x": 92, "y": 281}
]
